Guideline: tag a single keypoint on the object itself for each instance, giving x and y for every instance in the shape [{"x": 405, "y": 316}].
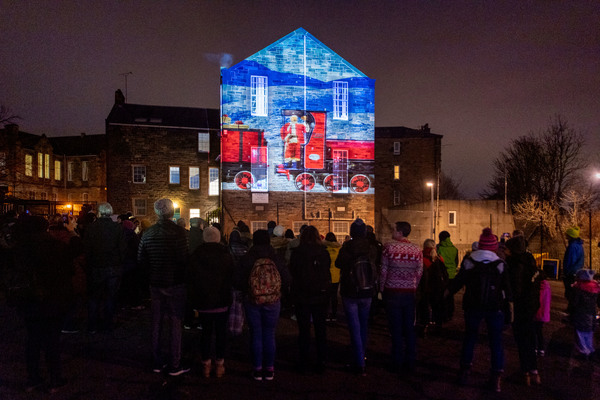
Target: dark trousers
[
  {"x": 540, "y": 344},
  {"x": 333, "y": 298},
  {"x": 400, "y": 310},
  {"x": 213, "y": 323},
  {"x": 318, "y": 312},
  {"x": 524, "y": 332},
  {"x": 43, "y": 335}
]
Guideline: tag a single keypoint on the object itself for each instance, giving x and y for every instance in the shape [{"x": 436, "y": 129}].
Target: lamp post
[
  {"x": 430, "y": 185},
  {"x": 596, "y": 177}
]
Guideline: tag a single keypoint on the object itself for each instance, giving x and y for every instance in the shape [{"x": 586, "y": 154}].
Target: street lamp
[
  {"x": 430, "y": 185},
  {"x": 596, "y": 177}
]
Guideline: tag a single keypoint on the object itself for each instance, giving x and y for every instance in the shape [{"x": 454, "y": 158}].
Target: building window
[
  {"x": 85, "y": 197},
  {"x": 213, "y": 181},
  {"x": 259, "y": 94},
  {"x": 47, "y": 166},
  {"x": 43, "y": 196},
  {"x": 396, "y": 197},
  {"x": 139, "y": 173},
  {"x": 297, "y": 225},
  {"x": 28, "y": 165},
  {"x": 54, "y": 197},
  {"x": 256, "y": 225},
  {"x": 57, "y": 170},
  {"x": 174, "y": 175},
  {"x": 31, "y": 195},
  {"x": 396, "y": 172},
  {"x": 194, "y": 213},
  {"x": 139, "y": 207},
  {"x": 70, "y": 197},
  {"x": 70, "y": 166},
  {"x": 452, "y": 218},
  {"x": 341, "y": 229},
  {"x": 396, "y": 148},
  {"x": 2, "y": 162},
  {"x": 84, "y": 171},
  {"x": 340, "y": 100},
  {"x": 203, "y": 142},
  {"x": 259, "y": 165},
  {"x": 40, "y": 165},
  {"x": 194, "y": 178}
]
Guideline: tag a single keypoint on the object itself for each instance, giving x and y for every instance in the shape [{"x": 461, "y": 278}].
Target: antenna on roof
[{"x": 125, "y": 75}]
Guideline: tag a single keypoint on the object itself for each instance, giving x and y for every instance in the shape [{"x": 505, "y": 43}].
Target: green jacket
[{"x": 449, "y": 253}]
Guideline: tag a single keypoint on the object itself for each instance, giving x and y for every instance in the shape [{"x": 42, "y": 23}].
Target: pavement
[{"x": 117, "y": 365}]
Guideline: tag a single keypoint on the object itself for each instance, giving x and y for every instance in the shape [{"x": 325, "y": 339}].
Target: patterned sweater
[{"x": 401, "y": 266}]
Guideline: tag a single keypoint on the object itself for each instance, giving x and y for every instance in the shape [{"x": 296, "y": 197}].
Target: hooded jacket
[{"x": 449, "y": 253}]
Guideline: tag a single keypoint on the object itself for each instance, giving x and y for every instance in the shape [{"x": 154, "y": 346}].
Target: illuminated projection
[{"x": 297, "y": 117}]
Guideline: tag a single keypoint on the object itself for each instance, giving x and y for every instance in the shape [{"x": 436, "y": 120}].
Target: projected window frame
[
  {"x": 340, "y": 170},
  {"x": 259, "y": 157},
  {"x": 213, "y": 181},
  {"x": 340, "y": 100},
  {"x": 259, "y": 95}
]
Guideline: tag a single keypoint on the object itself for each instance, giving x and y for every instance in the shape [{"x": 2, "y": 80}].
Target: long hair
[
  {"x": 310, "y": 236},
  {"x": 430, "y": 244}
]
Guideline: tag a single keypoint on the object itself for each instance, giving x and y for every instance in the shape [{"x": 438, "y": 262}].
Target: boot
[
  {"x": 220, "y": 368},
  {"x": 495, "y": 382},
  {"x": 527, "y": 379},
  {"x": 535, "y": 378},
  {"x": 206, "y": 367}
]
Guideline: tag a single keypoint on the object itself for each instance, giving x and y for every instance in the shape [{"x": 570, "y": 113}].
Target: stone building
[
  {"x": 158, "y": 151},
  {"x": 297, "y": 138},
  {"x": 47, "y": 175}
]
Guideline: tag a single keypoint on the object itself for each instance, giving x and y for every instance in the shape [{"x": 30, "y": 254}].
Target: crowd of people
[{"x": 65, "y": 275}]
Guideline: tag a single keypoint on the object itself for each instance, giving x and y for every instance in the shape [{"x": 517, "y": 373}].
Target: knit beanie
[
  {"x": 211, "y": 235},
  {"x": 585, "y": 275},
  {"x": 573, "y": 232},
  {"x": 278, "y": 231},
  {"x": 487, "y": 240},
  {"x": 358, "y": 229}
]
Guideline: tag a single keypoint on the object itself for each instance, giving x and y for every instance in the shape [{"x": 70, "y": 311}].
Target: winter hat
[
  {"x": 573, "y": 232},
  {"x": 487, "y": 240},
  {"x": 585, "y": 275},
  {"x": 358, "y": 229},
  {"x": 278, "y": 231},
  {"x": 211, "y": 235},
  {"x": 127, "y": 224}
]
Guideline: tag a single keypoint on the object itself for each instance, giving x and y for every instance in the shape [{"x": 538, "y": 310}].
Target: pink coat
[{"x": 543, "y": 314}]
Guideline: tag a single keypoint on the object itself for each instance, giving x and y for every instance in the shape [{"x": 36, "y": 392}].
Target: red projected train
[{"x": 309, "y": 159}]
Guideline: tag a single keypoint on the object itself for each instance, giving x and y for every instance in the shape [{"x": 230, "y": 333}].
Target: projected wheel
[
  {"x": 360, "y": 183},
  {"x": 243, "y": 180},
  {"x": 332, "y": 183},
  {"x": 305, "y": 181}
]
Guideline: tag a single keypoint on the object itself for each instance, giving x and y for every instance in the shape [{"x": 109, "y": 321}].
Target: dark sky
[{"x": 480, "y": 72}]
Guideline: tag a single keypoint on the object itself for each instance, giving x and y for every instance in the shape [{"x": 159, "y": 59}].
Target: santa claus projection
[{"x": 292, "y": 135}]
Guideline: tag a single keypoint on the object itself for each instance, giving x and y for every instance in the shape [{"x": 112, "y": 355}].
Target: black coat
[
  {"x": 309, "y": 285},
  {"x": 211, "y": 277}
]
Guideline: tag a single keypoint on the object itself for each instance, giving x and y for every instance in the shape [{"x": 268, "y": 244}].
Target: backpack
[
  {"x": 265, "y": 282},
  {"x": 362, "y": 275},
  {"x": 490, "y": 291}
]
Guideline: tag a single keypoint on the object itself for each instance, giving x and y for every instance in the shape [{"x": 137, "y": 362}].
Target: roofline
[{"x": 163, "y": 126}]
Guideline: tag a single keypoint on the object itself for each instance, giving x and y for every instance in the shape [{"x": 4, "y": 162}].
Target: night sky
[{"x": 480, "y": 73}]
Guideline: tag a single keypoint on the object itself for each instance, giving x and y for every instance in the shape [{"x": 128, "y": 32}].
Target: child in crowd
[
  {"x": 583, "y": 315},
  {"x": 543, "y": 314}
]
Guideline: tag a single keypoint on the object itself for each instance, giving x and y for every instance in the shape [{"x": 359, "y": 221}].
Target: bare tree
[
  {"x": 449, "y": 188},
  {"x": 6, "y": 115}
]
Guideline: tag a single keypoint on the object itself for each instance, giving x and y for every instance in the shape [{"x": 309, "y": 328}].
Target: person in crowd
[
  {"x": 487, "y": 289},
  {"x": 293, "y": 243},
  {"x": 401, "y": 270},
  {"x": 449, "y": 253},
  {"x": 309, "y": 267},
  {"x": 104, "y": 247},
  {"x": 245, "y": 233},
  {"x": 163, "y": 251},
  {"x": 182, "y": 223},
  {"x": 289, "y": 234},
  {"x": 210, "y": 284},
  {"x": 262, "y": 315},
  {"x": 430, "y": 306},
  {"x": 46, "y": 264},
  {"x": 584, "y": 307},
  {"x": 195, "y": 237},
  {"x": 333, "y": 248},
  {"x": 270, "y": 226},
  {"x": 543, "y": 314},
  {"x": 376, "y": 303},
  {"x": 131, "y": 291},
  {"x": 356, "y": 261},
  {"x": 278, "y": 241},
  {"x": 525, "y": 286},
  {"x": 572, "y": 262}
]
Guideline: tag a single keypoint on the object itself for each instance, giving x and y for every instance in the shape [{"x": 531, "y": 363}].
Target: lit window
[
  {"x": 139, "y": 207},
  {"x": 70, "y": 166},
  {"x": 396, "y": 148},
  {"x": 28, "y": 165},
  {"x": 340, "y": 229},
  {"x": 174, "y": 175},
  {"x": 84, "y": 171},
  {"x": 139, "y": 173},
  {"x": 256, "y": 225},
  {"x": 85, "y": 197},
  {"x": 203, "y": 142},
  {"x": 396, "y": 197},
  {"x": 452, "y": 218},
  {"x": 340, "y": 100},
  {"x": 40, "y": 165},
  {"x": 259, "y": 94},
  {"x": 297, "y": 225},
  {"x": 47, "y": 166},
  {"x": 213, "y": 181},
  {"x": 57, "y": 170},
  {"x": 259, "y": 169},
  {"x": 194, "y": 178},
  {"x": 396, "y": 172},
  {"x": 194, "y": 213}
]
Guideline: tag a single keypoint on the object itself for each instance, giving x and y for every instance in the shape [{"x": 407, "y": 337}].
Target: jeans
[
  {"x": 495, "y": 322},
  {"x": 400, "y": 310},
  {"x": 318, "y": 312},
  {"x": 169, "y": 303},
  {"x": 262, "y": 320},
  {"x": 584, "y": 342},
  {"x": 357, "y": 316},
  {"x": 213, "y": 322}
]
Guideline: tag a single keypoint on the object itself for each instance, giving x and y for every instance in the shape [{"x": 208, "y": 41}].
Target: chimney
[
  {"x": 119, "y": 97},
  {"x": 425, "y": 128}
]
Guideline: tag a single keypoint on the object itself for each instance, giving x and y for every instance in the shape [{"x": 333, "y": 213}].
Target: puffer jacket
[
  {"x": 211, "y": 277},
  {"x": 163, "y": 251}
]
